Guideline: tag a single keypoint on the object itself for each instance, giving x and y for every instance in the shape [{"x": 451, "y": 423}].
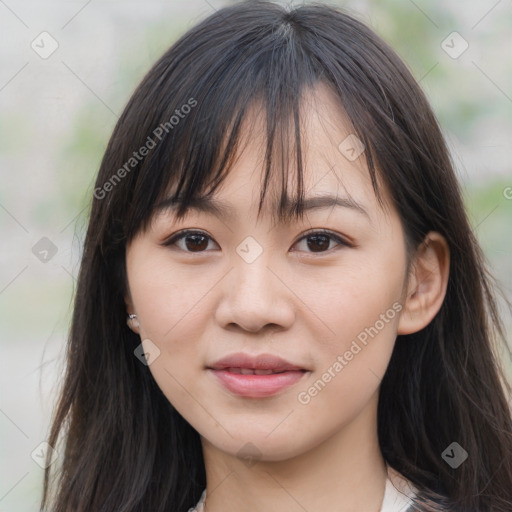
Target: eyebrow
[{"x": 225, "y": 211}]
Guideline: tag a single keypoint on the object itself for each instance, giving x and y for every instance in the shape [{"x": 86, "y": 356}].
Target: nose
[{"x": 256, "y": 297}]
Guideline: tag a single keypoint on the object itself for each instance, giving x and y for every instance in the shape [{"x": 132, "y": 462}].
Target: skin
[{"x": 304, "y": 306}]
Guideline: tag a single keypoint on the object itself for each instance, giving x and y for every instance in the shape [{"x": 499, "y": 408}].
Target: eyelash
[{"x": 182, "y": 234}]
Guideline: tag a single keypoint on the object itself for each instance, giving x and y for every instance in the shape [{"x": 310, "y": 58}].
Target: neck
[{"x": 346, "y": 472}]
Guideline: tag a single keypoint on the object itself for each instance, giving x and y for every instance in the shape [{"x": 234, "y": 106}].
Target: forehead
[{"x": 331, "y": 155}]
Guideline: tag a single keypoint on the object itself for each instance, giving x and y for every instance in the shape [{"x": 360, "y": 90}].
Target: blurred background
[{"x": 67, "y": 70}]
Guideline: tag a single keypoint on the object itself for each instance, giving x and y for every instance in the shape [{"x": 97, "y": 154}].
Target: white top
[{"x": 397, "y": 494}]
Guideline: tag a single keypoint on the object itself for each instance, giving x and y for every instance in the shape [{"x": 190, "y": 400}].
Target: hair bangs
[{"x": 249, "y": 75}]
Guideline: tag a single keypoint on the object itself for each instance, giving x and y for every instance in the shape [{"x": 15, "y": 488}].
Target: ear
[{"x": 427, "y": 283}]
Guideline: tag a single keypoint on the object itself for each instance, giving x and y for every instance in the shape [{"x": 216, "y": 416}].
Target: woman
[{"x": 310, "y": 322}]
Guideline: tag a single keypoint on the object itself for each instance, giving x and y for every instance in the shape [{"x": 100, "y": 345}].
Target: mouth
[
  {"x": 256, "y": 376},
  {"x": 242, "y": 361},
  {"x": 254, "y": 371}
]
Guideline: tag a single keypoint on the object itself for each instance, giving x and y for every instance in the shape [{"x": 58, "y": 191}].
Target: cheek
[
  {"x": 172, "y": 305},
  {"x": 360, "y": 305},
  {"x": 353, "y": 359},
  {"x": 168, "y": 298},
  {"x": 356, "y": 295}
]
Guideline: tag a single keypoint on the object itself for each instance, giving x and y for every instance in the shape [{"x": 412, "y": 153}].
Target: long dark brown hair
[{"x": 124, "y": 448}]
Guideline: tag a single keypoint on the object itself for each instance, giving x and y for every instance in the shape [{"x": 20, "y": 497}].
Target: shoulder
[
  {"x": 200, "y": 504},
  {"x": 398, "y": 494}
]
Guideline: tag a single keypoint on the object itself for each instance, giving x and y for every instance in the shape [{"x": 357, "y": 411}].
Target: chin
[{"x": 259, "y": 446}]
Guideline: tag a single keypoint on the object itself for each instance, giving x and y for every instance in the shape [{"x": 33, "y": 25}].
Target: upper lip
[{"x": 259, "y": 362}]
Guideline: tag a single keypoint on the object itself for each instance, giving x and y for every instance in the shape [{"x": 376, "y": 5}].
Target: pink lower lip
[{"x": 256, "y": 386}]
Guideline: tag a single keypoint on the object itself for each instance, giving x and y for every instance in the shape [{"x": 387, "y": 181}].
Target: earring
[{"x": 132, "y": 322}]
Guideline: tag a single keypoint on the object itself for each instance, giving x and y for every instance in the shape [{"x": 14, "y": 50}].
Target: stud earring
[{"x": 132, "y": 322}]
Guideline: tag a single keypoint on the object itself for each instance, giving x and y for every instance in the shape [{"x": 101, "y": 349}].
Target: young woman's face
[{"x": 325, "y": 303}]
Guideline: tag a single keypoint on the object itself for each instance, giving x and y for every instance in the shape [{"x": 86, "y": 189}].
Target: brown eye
[
  {"x": 196, "y": 242},
  {"x": 320, "y": 241},
  {"x": 191, "y": 241}
]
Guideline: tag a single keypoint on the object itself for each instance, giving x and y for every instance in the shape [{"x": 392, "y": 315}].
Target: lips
[
  {"x": 251, "y": 371},
  {"x": 256, "y": 376},
  {"x": 241, "y": 361}
]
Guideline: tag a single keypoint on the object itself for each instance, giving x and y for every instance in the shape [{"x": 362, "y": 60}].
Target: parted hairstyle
[{"x": 124, "y": 448}]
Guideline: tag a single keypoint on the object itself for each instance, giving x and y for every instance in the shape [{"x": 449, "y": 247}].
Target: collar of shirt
[{"x": 397, "y": 495}]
